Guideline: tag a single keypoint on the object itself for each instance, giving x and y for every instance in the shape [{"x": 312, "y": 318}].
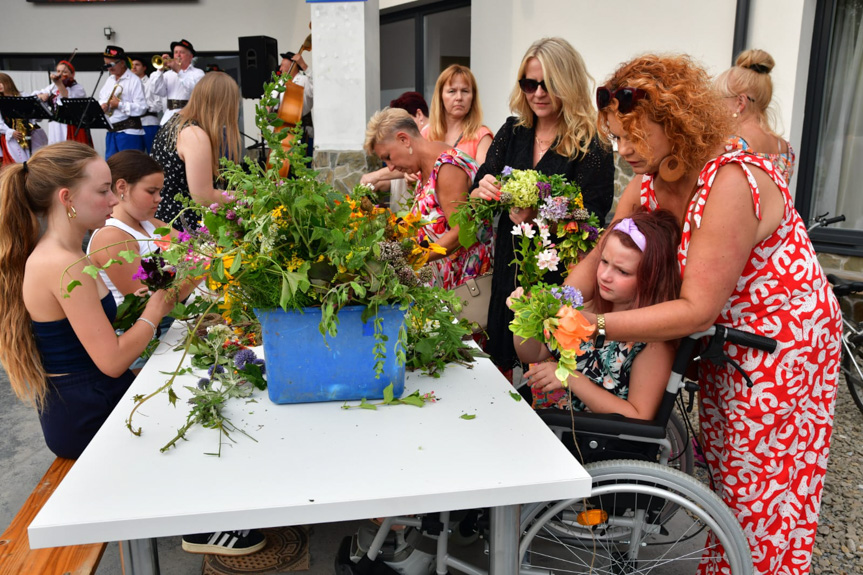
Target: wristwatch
[{"x": 600, "y": 331}]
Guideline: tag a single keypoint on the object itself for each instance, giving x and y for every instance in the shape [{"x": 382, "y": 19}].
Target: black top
[
  {"x": 513, "y": 147},
  {"x": 165, "y": 153}
]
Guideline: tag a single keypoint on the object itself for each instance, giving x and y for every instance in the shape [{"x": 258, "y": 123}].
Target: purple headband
[{"x": 627, "y": 226}]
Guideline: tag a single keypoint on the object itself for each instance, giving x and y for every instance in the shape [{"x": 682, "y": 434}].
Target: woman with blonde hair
[
  {"x": 553, "y": 132},
  {"x": 59, "y": 350},
  {"x": 746, "y": 263},
  {"x": 455, "y": 116},
  {"x": 446, "y": 175},
  {"x": 190, "y": 145},
  {"x": 16, "y": 144},
  {"x": 747, "y": 92}
]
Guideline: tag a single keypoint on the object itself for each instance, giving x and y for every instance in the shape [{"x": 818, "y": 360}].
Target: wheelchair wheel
[{"x": 622, "y": 528}]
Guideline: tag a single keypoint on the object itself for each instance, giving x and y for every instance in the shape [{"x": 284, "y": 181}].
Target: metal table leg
[
  {"x": 139, "y": 557},
  {"x": 503, "y": 558}
]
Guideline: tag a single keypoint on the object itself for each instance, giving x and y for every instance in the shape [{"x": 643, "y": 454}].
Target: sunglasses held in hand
[{"x": 626, "y": 98}]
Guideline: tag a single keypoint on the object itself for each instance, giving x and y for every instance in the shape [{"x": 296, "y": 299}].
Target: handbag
[{"x": 475, "y": 295}]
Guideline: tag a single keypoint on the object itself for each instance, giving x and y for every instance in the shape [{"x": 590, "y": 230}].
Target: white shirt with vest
[
  {"x": 175, "y": 86},
  {"x": 133, "y": 103}
]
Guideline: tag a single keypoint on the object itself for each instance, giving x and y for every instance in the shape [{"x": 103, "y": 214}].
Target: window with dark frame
[{"x": 831, "y": 156}]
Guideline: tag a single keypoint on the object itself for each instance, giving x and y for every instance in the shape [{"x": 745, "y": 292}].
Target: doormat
[{"x": 287, "y": 550}]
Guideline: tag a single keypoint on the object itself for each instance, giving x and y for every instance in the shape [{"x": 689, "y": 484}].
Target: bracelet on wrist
[{"x": 148, "y": 322}]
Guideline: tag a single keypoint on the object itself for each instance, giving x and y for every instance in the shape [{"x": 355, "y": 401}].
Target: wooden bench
[{"x": 16, "y": 557}]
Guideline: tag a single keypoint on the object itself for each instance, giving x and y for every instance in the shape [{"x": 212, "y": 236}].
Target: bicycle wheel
[
  {"x": 619, "y": 529},
  {"x": 852, "y": 378}
]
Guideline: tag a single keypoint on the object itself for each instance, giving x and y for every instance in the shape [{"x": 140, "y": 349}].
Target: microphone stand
[{"x": 84, "y": 114}]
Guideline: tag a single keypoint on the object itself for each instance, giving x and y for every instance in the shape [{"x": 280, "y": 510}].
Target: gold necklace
[{"x": 543, "y": 148}]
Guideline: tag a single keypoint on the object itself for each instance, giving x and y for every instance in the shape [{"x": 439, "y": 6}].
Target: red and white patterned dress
[{"x": 767, "y": 447}]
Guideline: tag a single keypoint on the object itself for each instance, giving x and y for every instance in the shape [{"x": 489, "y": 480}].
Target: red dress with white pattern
[{"x": 767, "y": 447}]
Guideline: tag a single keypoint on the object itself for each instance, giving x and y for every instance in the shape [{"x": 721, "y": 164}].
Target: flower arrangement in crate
[
  {"x": 297, "y": 245},
  {"x": 560, "y": 208}
]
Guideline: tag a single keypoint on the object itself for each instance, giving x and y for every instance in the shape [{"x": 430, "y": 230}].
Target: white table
[{"x": 312, "y": 463}]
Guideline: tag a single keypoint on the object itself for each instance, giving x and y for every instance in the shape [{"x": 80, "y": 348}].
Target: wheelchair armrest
[{"x": 605, "y": 423}]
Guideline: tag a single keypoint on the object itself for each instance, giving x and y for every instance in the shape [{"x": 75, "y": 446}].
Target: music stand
[
  {"x": 82, "y": 113},
  {"x": 24, "y": 107}
]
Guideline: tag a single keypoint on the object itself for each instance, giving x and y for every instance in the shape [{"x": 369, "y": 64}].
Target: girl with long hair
[
  {"x": 553, "y": 132},
  {"x": 638, "y": 268},
  {"x": 59, "y": 349},
  {"x": 190, "y": 145}
]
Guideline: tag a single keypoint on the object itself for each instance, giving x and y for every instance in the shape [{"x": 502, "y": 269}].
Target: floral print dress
[
  {"x": 462, "y": 264},
  {"x": 767, "y": 446},
  {"x": 608, "y": 366}
]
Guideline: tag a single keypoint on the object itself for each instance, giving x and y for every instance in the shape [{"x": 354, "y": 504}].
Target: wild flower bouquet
[
  {"x": 293, "y": 243},
  {"x": 559, "y": 203},
  {"x": 551, "y": 315}
]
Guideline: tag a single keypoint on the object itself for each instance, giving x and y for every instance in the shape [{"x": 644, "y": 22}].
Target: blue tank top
[{"x": 60, "y": 348}]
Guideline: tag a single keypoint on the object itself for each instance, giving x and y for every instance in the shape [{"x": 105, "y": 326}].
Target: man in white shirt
[
  {"x": 64, "y": 86},
  {"x": 123, "y": 101},
  {"x": 150, "y": 119},
  {"x": 177, "y": 79}
]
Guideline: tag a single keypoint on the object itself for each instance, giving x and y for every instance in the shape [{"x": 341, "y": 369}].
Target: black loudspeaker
[{"x": 259, "y": 58}]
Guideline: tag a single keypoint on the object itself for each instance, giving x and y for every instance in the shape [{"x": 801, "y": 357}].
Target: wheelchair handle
[{"x": 743, "y": 338}]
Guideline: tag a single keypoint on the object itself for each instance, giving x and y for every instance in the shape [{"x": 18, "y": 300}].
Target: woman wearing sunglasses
[
  {"x": 553, "y": 132},
  {"x": 747, "y": 263}
]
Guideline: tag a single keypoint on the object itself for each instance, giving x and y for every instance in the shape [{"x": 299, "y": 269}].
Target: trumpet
[
  {"x": 116, "y": 92},
  {"x": 159, "y": 63}
]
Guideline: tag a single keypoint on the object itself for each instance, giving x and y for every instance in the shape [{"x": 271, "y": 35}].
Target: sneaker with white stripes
[{"x": 225, "y": 542}]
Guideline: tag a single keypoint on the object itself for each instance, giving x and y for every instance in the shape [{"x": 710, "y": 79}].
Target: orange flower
[
  {"x": 164, "y": 243},
  {"x": 572, "y": 329},
  {"x": 571, "y": 227}
]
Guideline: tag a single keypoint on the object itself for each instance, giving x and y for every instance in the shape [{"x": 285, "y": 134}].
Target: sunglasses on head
[
  {"x": 529, "y": 86},
  {"x": 626, "y": 98}
]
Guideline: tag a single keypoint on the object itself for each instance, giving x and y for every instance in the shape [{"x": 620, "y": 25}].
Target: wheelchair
[{"x": 645, "y": 514}]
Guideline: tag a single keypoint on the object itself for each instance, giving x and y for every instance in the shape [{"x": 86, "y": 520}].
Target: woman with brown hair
[
  {"x": 553, "y": 131},
  {"x": 455, "y": 116},
  {"x": 747, "y": 92},
  {"x": 747, "y": 263},
  {"x": 190, "y": 145},
  {"x": 61, "y": 353}
]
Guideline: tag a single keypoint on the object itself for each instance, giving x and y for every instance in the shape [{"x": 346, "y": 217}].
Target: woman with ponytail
[{"x": 58, "y": 348}]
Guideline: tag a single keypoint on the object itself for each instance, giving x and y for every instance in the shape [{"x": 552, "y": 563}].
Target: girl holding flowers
[
  {"x": 553, "y": 132},
  {"x": 637, "y": 268},
  {"x": 57, "y": 344}
]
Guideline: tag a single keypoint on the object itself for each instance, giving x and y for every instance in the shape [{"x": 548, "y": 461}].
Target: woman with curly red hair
[{"x": 747, "y": 263}]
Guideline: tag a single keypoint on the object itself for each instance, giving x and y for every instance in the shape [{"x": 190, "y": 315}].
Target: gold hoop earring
[
  {"x": 671, "y": 169},
  {"x": 71, "y": 213}
]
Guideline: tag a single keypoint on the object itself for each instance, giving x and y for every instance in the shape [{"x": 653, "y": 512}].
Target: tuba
[{"x": 116, "y": 92}]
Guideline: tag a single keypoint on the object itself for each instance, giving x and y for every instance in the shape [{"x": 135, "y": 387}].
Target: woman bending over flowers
[
  {"x": 447, "y": 174},
  {"x": 638, "y": 267},
  {"x": 553, "y": 132}
]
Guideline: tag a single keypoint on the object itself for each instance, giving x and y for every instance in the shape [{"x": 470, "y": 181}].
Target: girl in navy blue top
[{"x": 61, "y": 353}]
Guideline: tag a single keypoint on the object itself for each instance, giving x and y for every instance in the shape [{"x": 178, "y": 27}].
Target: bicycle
[
  {"x": 643, "y": 516},
  {"x": 852, "y": 331}
]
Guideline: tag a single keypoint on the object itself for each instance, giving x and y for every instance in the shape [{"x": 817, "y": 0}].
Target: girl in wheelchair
[{"x": 638, "y": 268}]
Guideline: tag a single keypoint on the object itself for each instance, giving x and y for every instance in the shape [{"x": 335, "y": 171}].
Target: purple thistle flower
[
  {"x": 203, "y": 383},
  {"x": 592, "y": 232},
  {"x": 243, "y": 357},
  {"x": 263, "y": 365},
  {"x": 215, "y": 369}
]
